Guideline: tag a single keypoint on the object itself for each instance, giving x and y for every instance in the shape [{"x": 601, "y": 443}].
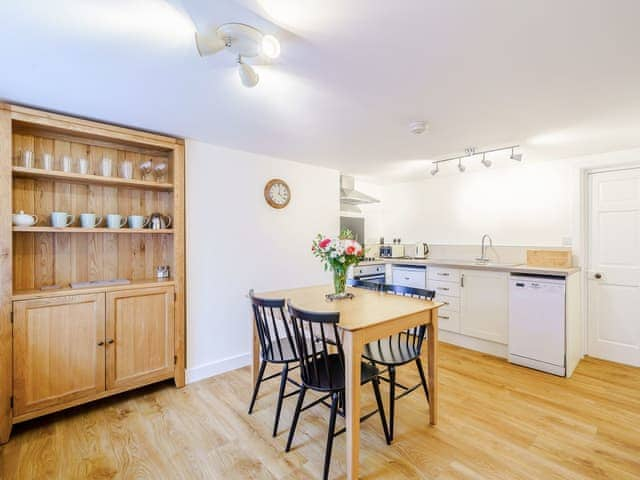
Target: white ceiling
[{"x": 559, "y": 77}]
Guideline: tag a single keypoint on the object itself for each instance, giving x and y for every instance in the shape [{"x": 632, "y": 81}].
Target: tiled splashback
[{"x": 501, "y": 254}]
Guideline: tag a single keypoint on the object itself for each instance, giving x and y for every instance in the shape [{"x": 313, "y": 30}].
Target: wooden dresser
[{"x": 62, "y": 346}]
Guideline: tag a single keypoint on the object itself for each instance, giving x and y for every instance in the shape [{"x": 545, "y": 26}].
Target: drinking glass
[
  {"x": 83, "y": 166},
  {"x": 47, "y": 161},
  {"x": 146, "y": 168},
  {"x": 106, "y": 166},
  {"x": 126, "y": 169},
  {"x": 66, "y": 163},
  {"x": 160, "y": 170},
  {"x": 27, "y": 158}
]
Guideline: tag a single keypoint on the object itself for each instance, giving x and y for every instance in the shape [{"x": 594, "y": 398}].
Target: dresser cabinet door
[
  {"x": 139, "y": 336},
  {"x": 58, "y": 351}
]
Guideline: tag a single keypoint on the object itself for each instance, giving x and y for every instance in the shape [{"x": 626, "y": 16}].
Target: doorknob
[{"x": 597, "y": 276}]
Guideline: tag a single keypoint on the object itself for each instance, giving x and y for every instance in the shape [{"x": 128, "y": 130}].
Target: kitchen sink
[{"x": 459, "y": 261}]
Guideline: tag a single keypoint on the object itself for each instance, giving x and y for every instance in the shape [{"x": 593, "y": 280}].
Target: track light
[
  {"x": 248, "y": 76},
  {"x": 243, "y": 41},
  {"x": 485, "y": 161},
  {"x": 461, "y": 167},
  {"x": 435, "y": 170},
  {"x": 516, "y": 156}
]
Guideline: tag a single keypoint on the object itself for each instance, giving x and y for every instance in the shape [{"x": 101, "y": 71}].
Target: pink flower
[
  {"x": 324, "y": 243},
  {"x": 350, "y": 250}
]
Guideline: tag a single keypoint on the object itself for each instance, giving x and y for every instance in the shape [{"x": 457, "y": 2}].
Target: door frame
[{"x": 585, "y": 228}]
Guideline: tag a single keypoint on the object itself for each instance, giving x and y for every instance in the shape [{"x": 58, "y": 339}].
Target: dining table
[{"x": 366, "y": 316}]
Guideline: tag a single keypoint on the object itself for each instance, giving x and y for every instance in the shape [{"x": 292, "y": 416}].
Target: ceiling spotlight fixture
[
  {"x": 243, "y": 41},
  {"x": 436, "y": 169},
  {"x": 270, "y": 46},
  {"x": 248, "y": 75},
  {"x": 461, "y": 167},
  {"x": 515, "y": 156},
  {"x": 418, "y": 127},
  {"x": 485, "y": 161}
]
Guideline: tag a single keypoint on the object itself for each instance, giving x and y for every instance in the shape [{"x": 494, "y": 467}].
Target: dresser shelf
[
  {"x": 67, "y": 290},
  {"x": 89, "y": 179},
  {"x": 92, "y": 230}
]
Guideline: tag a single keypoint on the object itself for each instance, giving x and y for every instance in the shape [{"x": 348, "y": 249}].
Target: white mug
[
  {"x": 66, "y": 163},
  {"x": 89, "y": 220},
  {"x": 137, "y": 221},
  {"x": 115, "y": 221},
  {"x": 47, "y": 161},
  {"x": 83, "y": 166},
  {"x": 106, "y": 167},
  {"x": 61, "y": 219}
]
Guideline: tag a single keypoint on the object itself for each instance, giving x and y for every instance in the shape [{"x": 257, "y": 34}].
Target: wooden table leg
[
  {"x": 255, "y": 360},
  {"x": 432, "y": 344},
  {"x": 352, "y": 352}
]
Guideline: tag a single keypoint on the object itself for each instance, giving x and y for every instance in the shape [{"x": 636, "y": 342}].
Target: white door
[
  {"x": 484, "y": 305},
  {"x": 614, "y": 266}
]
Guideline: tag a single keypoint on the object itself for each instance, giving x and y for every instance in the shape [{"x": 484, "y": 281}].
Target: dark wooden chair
[
  {"x": 364, "y": 284},
  {"x": 398, "y": 350},
  {"x": 323, "y": 371},
  {"x": 277, "y": 346}
]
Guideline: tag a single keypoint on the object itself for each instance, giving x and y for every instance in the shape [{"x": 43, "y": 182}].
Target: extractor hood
[{"x": 350, "y": 196}]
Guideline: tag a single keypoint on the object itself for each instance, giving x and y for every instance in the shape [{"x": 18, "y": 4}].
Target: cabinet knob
[
  {"x": 110, "y": 341},
  {"x": 598, "y": 276},
  {"x": 100, "y": 343}
]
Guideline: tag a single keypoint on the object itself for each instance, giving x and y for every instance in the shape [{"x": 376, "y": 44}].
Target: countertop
[{"x": 471, "y": 265}]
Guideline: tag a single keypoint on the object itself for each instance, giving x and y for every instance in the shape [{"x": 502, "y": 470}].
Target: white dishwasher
[
  {"x": 537, "y": 322},
  {"x": 409, "y": 275}
]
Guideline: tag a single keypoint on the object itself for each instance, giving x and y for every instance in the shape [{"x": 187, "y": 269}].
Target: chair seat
[
  {"x": 335, "y": 380},
  {"x": 284, "y": 353},
  {"x": 393, "y": 350}
]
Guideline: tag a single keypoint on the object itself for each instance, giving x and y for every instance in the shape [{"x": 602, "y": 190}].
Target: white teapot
[{"x": 22, "y": 219}]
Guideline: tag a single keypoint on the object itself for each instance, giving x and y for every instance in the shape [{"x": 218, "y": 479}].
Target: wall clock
[{"x": 277, "y": 193}]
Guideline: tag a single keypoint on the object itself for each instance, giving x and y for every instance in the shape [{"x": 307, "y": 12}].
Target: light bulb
[
  {"x": 461, "y": 167},
  {"x": 485, "y": 161},
  {"x": 435, "y": 170},
  {"x": 248, "y": 76},
  {"x": 270, "y": 46}
]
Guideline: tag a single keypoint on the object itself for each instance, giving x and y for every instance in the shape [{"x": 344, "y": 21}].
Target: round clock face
[{"x": 277, "y": 193}]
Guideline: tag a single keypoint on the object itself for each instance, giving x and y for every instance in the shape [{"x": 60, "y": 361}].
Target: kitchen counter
[{"x": 471, "y": 265}]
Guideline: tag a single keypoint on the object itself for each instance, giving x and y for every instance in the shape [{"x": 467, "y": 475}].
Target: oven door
[{"x": 374, "y": 278}]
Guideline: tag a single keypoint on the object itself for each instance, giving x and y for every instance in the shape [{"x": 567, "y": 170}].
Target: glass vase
[{"x": 339, "y": 283}]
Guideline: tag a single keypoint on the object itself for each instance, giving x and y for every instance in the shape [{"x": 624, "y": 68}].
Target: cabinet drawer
[
  {"x": 443, "y": 274},
  {"x": 452, "y": 304},
  {"x": 409, "y": 278},
  {"x": 449, "y": 321},
  {"x": 448, "y": 289},
  {"x": 359, "y": 271}
]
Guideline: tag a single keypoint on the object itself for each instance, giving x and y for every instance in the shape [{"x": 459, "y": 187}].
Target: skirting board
[
  {"x": 216, "y": 368},
  {"x": 484, "y": 346}
]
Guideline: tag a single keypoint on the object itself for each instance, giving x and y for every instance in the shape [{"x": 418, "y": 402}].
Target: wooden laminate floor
[{"x": 496, "y": 421}]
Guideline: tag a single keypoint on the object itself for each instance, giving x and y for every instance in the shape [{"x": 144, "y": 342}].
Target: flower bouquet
[{"x": 337, "y": 254}]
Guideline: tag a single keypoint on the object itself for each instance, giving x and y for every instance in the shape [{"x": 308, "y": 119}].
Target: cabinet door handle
[
  {"x": 100, "y": 343},
  {"x": 110, "y": 341},
  {"x": 443, "y": 274},
  {"x": 443, "y": 317},
  {"x": 446, "y": 289},
  {"x": 462, "y": 280}
]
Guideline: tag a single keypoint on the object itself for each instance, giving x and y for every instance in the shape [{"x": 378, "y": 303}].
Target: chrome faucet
[{"x": 483, "y": 256}]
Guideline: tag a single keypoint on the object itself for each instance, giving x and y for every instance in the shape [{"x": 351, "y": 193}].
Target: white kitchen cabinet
[{"x": 484, "y": 305}]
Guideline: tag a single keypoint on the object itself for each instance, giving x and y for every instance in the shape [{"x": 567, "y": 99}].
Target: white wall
[
  {"x": 523, "y": 204},
  {"x": 235, "y": 242}
]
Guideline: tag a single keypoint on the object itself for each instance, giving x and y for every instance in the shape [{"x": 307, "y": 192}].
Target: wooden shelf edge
[
  {"x": 166, "y": 231},
  {"x": 93, "y": 179},
  {"x": 61, "y": 292}
]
